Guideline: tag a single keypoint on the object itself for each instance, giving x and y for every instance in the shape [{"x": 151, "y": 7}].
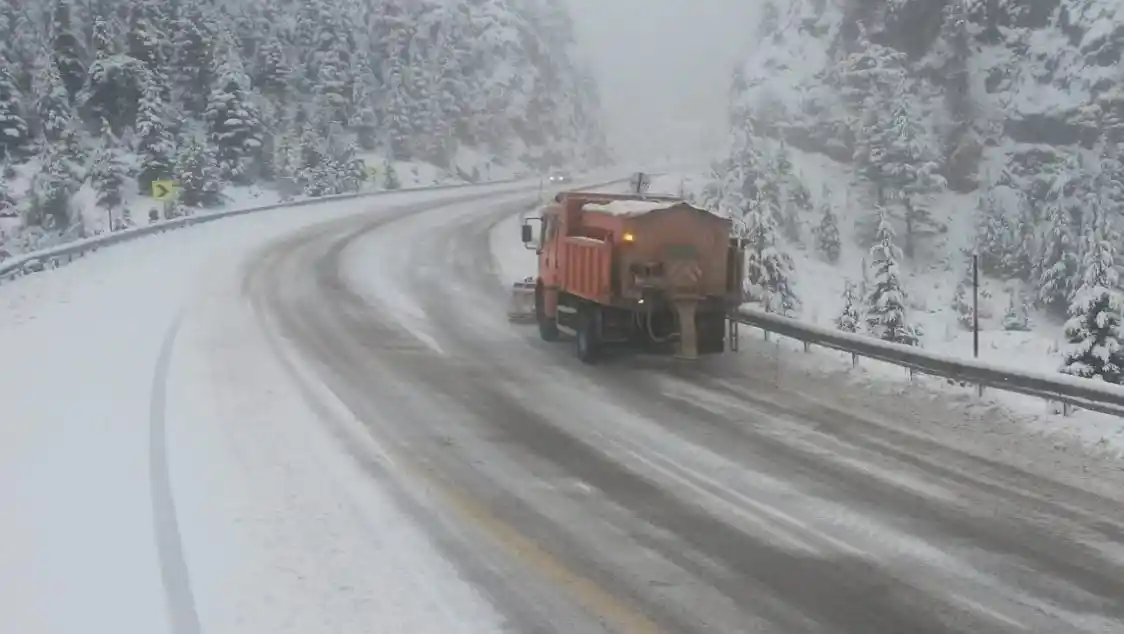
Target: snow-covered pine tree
[
  {"x": 992, "y": 232},
  {"x": 396, "y": 116},
  {"x": 955, "y": 53},
  {"x": 1073, "y": 189},
  {"x": 19, "y": 45},
  {"x": 885, "y": 300},
  {"x": 797, "y": 201},
  {"x": 272, "y": 72},
  {"x": 742, "y": 172},
  {"x": 233, "y": 119},
  {"x": 1093, "y": 329},
  {"x": 792, "y": 225},
  {"x": 51, "y": 189},
  {"x": 113, "y": 82},
  {"x": 316, "y": 172},
  {"x": 199, "y": 176},
  {"x": 869, "y": 76},
  {"x": 1018, "y": 261},
  {"x": 799, "y": 195},
  {"x": 421, "y": 86},
  {"x": 145, "y": 39},
  {"x": 1109, "y": 181},
  {"x": 108, "y": 174},
  {"x": 53, "y": 105},
  {"x": 1017, "y": 317},
  {"x": 13, "y": 127},
  {"x": 451, "y": 90},
  {"x": 155, "y": 144},
  {"x": 849, "y": 319},
  {"x": 286, "y": 157},
  {"x": 7, "y": 201},
  {"x": 962, "y": 300},
  {"x": 68, "y": 54},
  {"x": 910, "y": 168},
  {"x": 828, "y": 240},
  {"x": 350, "y": 171},
  {"x": 193, "y": 45},
  {"x": 768, "y": 270},
  {"x": 364, "y": 120},
  {"x": 391, "y": 181},
  {"x": 770, "y": 195},
  {"x": 782, "y": 164},
  {"x": 1058, "y": 262}
]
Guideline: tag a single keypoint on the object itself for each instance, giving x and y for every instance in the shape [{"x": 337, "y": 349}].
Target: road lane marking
[
  {"x": 182, "y": 614},
  {"x": 585, "y": 591}
]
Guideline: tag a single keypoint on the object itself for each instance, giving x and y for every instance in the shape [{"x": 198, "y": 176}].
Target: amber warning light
[{"x": 628, "y": 237}]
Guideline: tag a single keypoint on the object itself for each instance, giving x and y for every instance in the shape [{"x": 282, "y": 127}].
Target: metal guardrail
[
  {"x": 53, "y": 257},
  {"x": 1084, "y": 393}
]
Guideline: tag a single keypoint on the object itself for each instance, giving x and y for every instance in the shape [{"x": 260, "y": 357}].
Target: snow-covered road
[
  {"x": 87, "y": 535},
  {"x": 355, "y": 439}
]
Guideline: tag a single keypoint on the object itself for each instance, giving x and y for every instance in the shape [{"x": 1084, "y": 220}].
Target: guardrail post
[
  {"x": 1067, "y": 409},
  {"x": 807, "y": 347},
  {"x": 854, "y": 360}
]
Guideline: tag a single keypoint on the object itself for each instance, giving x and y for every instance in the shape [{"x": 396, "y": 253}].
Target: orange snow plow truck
[{"x": 626, "y": 270}]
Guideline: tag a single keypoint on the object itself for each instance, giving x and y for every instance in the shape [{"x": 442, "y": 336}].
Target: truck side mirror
[{"x": 530, "y": 241}]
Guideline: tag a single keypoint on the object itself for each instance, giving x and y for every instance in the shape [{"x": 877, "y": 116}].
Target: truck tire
[
  {"x": 548, "y": 328},
  {"x": 588, "y": 339}
]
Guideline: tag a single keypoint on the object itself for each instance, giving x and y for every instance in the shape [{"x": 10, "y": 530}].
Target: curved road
[{"x": 646, "y": 496}]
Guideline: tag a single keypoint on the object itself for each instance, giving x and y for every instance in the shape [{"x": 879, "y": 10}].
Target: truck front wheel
[
  {"x": 589, "y": 340},
  {"x": 548, "y": 328}
]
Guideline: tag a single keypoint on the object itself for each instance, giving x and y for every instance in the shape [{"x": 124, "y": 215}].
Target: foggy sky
[{"x": 664, "y": 68}]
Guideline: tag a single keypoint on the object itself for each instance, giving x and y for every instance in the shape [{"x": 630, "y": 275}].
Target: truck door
[{"x": 548, "y": 262}]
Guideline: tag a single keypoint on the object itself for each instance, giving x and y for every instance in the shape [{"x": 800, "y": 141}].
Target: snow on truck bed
[{"x": 633, "y": 207}]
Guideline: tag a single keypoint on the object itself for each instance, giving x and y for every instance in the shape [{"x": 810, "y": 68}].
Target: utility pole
[
  {"x": 976, "y": 314},
  {"x": 975, "y": 306}
]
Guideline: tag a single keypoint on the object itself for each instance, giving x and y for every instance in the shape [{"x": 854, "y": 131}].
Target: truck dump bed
[
  {"x": 621, "y": 269},
  {"x": 588, "y": 267}
]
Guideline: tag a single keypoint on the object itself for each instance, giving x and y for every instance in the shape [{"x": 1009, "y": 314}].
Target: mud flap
[{"x": 685, "y": 310}]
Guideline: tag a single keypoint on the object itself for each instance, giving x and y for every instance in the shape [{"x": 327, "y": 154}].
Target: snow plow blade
[{"x": 521, "y": 308}]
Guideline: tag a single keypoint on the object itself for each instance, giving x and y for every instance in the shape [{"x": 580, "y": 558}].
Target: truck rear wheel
[
  {"x": 548, "y": 328},
  {"x": 588, "y": 336}
]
